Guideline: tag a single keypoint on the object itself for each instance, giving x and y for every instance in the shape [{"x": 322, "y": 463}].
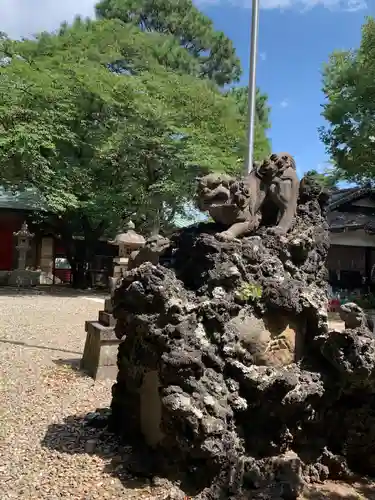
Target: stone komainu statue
[{"x": 241, "y": 204}]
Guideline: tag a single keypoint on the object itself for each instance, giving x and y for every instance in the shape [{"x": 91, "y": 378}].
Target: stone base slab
[{"x": 20, "y": 278}]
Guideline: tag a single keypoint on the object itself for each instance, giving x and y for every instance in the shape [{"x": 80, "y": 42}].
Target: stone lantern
[
  {"x": 24, "y": 238},
  {"x": 127, "y": 243}
]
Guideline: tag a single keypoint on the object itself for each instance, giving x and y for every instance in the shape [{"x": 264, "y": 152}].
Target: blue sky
[
  {"x": 294, "y": 43},
  {"x": 295, "y": 39}
]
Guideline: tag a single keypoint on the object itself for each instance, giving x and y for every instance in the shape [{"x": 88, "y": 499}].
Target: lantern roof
[
  {"x": 24, "y": 232},
  {"x": 129, "y": 238}
]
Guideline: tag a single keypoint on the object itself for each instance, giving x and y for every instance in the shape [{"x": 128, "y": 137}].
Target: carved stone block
[
  {"x": 99, "y": 358},
  {"x": 106, "y": 319}
]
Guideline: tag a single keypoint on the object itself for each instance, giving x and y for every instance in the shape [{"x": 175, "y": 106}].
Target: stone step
[{"x": 106, "y": 319}]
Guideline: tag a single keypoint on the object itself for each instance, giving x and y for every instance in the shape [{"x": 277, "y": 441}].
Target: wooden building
[{"x": 351, "y": 257}]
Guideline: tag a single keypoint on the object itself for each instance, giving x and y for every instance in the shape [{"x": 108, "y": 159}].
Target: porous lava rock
[{"x": 227, "y": 368}]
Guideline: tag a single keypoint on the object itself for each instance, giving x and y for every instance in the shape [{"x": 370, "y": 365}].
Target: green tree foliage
[
  {"x": 327, "y": 179},
  {"x": 105, "y": 129},
  {"x": 102, "y": 144},
  {"x": 65, "y": 116},
  {"x": 240, "y": 95},
  {"x": 349, "y": 87},
  {"x": 262, "y": 146},
  {"x": 194, "y": 45}
]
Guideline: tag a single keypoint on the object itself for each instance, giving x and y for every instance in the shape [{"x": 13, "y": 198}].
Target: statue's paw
[{"x": 224, "y": 236}]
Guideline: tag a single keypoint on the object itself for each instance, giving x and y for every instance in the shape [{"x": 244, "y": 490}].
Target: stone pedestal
[
  {"x": 120, "y": 266},
  {"x": 100, "y": 354},
  {"x": 99, "y": 358},
  {"x": 24, "y": 278}
]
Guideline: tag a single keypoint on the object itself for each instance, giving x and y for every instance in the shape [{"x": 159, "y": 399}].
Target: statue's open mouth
[{"x": 214, "y": 198}]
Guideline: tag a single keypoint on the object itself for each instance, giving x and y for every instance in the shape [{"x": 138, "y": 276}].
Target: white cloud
[
  {"x": 262, "y": 56},
  {"x": 22, "y": 18},
  {"x": 346, "y": 5},
  {"x": 284, "y": 103}
]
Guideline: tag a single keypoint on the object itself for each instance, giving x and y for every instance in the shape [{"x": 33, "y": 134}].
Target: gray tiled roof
[
  {"x": 339, "y": 221},
  {"x": 346, "y": 195},
  {"x": 22, "y": 200},
  {"x": 350, "y": 221}
]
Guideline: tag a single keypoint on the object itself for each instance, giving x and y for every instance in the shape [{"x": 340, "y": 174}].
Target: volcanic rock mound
[{"x": 227, "y": 367}]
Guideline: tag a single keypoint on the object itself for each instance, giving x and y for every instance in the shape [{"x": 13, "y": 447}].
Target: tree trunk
[
  {"x": 78, "y": 275},
  {"x": 81, "y": 264},
  {"x": 80, "y": 253},
  {"x": 75, "y": 253},
  {"x": 91, "y": 236}
]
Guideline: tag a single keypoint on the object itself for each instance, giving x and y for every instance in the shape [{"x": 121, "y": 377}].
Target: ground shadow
[
  {"x": 51, "y": 290},
  {"x": 74, "y": 364},
  {"x": 329, "y": 495},
  {"x": 74, "y": 436},
  {"x": 367, "y": 490},
  {"x": 33, "y": 346},
  {"x": 134, "y": 466},
  {"x": 358, "y": 489}
]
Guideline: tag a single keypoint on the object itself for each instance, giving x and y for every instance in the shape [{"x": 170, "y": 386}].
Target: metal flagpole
[{"x": 252, "y": 84}]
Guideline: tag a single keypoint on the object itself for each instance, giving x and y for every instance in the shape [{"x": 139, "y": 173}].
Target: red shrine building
[
  {"x": 14, "y": 210},
  {"x": 47, "y": 253}
]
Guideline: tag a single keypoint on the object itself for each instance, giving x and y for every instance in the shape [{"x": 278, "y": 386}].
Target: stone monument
[
  {"x": 227, "y": 368},
  {"x": 100, "y": 352}
]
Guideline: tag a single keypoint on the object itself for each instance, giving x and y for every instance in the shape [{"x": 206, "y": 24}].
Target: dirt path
[
  {"x": 46, "y": 450},
  {"x": 43, "y": 439},
  {"x": 331, "y": 490}
]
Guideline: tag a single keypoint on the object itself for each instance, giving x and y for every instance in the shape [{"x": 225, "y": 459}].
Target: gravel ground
[
  {"x": 46, "y": 452},
  {"x": 42, "y": 404}
]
